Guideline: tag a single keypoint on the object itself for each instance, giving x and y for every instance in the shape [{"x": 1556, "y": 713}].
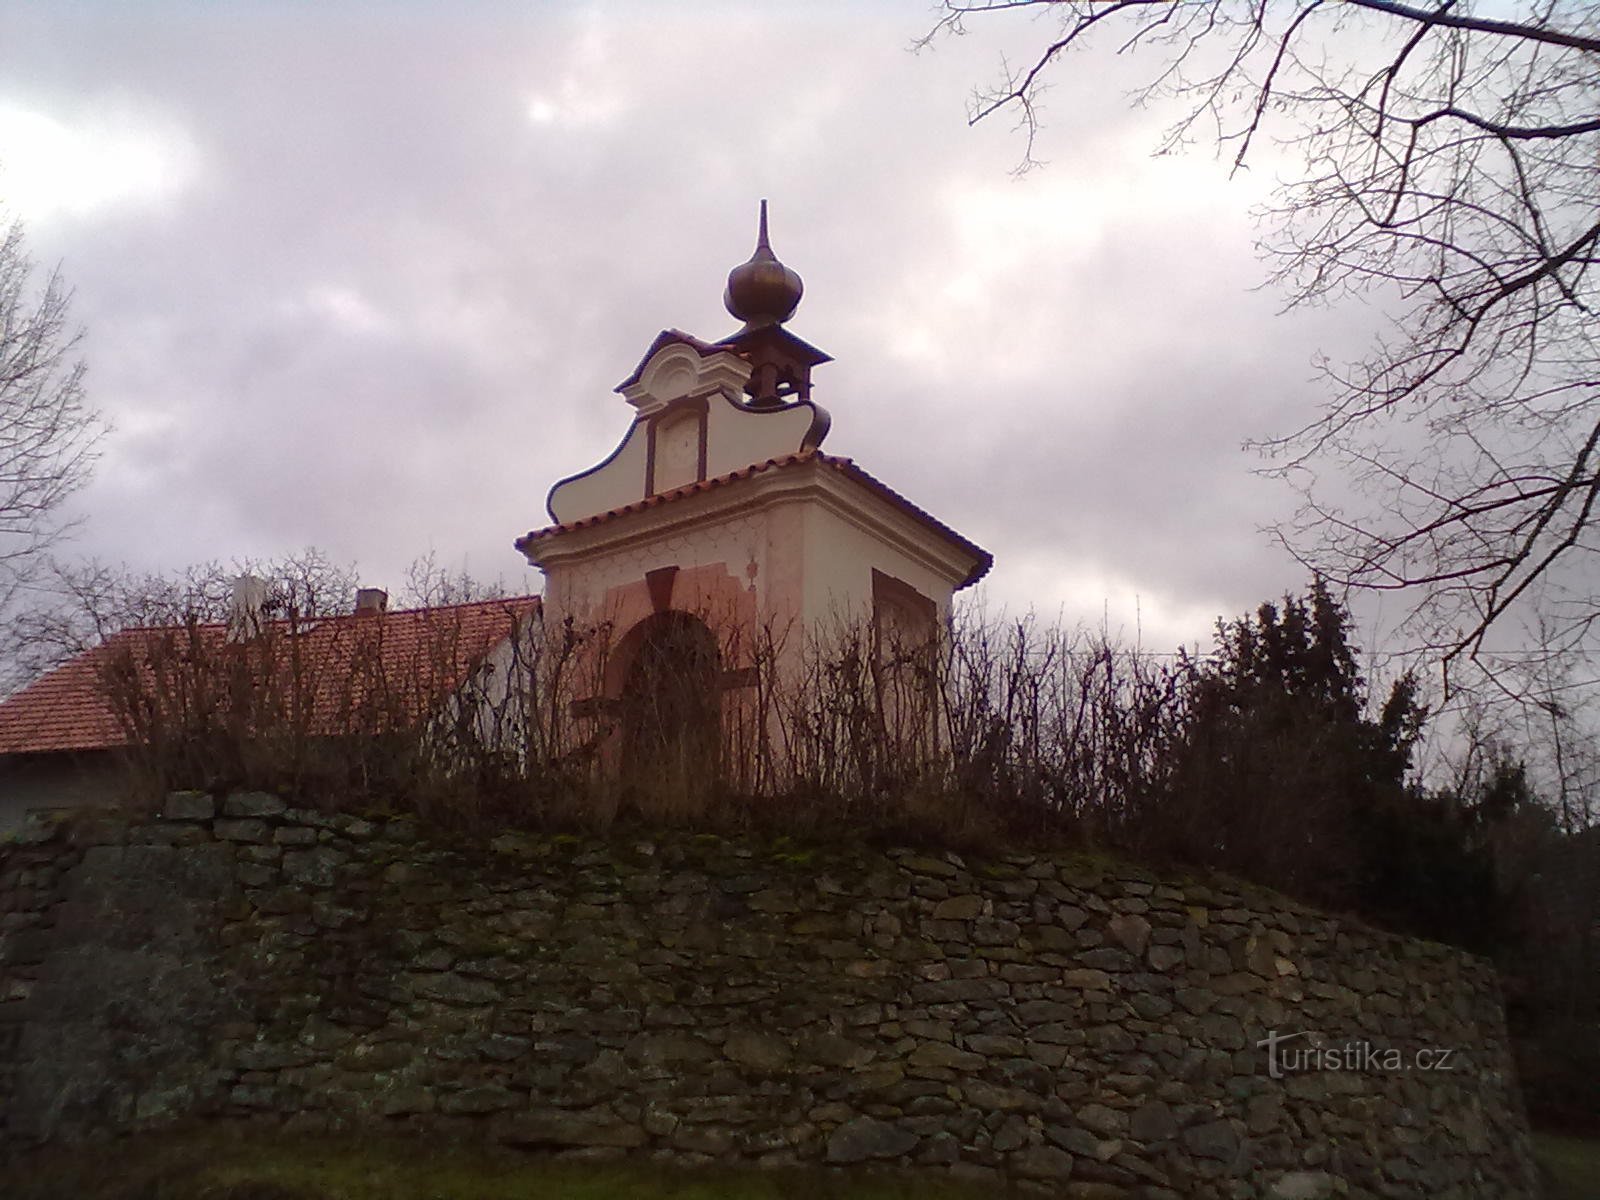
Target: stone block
[
  {"x": 1087, "y": 979},
  {"x": 313, "y": 868},
  {"x": 1098, "y": 1118},
  {"x": 759, "y": 1052},
  {"x": 450, "y": 988},
  {"x": 868, "y": 1138},
  {"x": 485, "y": 1099},
  {"x": 1041, "y": 1162},
  {"x": 406, "y": 1098},
  {"x": 242, "y": 831},
  {"x": 834, "y": 1050},
  {"x": 991, "y": 1098},
  {"x": 188, "y": 806},
  {"x": 1214, "y": 1140},
  {"x": 1165, "y": 958},
  {"x": 945, "y": 1055},
  {"x": 252, "y": 804},
  {"x": 1302, "y": 1185},
  {"x": 1153, "y": 1122},
  {"x": 959, "y": 908},
  {"x": 936, "y": 867},
  {"x": 1132, "y": 932}
]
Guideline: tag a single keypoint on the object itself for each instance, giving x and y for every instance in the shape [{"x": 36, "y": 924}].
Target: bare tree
[
  {"x": 429, "y": 583},
  {"x": 1451, "y": 169},
  {"x": 73, "y": 606},
  {"x": 47, "y": 431}
]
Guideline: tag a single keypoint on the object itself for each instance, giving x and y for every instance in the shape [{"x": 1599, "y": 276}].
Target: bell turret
[{"x": 763, "y": 293}]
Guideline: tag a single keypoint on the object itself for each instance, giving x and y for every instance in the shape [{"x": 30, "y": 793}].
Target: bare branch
[
  {"x": 1451, "y": 173},
  {"x": 48, "y": 433}
]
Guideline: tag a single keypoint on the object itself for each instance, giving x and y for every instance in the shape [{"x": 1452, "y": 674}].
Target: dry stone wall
[{"x": 1080, "y": 1027}]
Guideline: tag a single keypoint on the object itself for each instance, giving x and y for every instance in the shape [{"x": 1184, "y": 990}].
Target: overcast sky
[{"x": 363, "y": 277}]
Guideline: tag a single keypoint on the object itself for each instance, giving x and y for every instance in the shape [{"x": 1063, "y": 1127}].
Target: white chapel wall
[
  {"x": 840, "y": 557},
  {"x": 579, "y": 588},
  {"x": 618, "y": 482},
  {"x": 738, "y": 438}
]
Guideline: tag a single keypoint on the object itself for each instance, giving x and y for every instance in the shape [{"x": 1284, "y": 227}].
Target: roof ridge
[
  {"x": 65, "y": 708},
  {"x": 530, "y": 597}
]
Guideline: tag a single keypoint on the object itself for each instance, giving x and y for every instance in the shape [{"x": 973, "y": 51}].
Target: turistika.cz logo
[{"x": 1356, "y": 1055}]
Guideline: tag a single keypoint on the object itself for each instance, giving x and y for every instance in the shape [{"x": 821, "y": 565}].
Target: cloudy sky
[{"x": 363, "y": 276}]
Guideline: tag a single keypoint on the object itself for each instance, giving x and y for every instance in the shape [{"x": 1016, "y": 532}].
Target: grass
[
  {"x": 1569, "y": 1167},
  {"x": 235, "y": 1164}
]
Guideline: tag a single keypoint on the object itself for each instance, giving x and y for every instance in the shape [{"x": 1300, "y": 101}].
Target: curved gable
[{"x": 692, "y": 425}]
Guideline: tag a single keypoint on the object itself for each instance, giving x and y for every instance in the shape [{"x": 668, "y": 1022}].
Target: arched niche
[{"x": 668, "y": 696}]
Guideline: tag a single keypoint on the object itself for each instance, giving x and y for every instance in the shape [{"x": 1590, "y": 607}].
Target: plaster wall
[
  {"x": 800, "y": 557},
  {"x": 583, "y": 588},
  {"x": 735, "y": 438},
  {"x": 47, "y": 782},
  {"x": 840, "y": 558},
  {"x": 618, "y": 481}
]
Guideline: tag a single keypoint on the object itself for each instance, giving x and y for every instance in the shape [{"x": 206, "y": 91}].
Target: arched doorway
[{"x": 671, "y": 703}]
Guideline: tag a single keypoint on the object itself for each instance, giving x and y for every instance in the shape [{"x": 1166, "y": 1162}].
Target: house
[
  {"x": 65, "y": 738},
  {"x": 719, "y": 530}
]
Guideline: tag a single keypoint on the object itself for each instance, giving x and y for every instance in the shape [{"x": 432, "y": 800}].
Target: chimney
[
  {"x": 246, "y": 608},
  {"x": 371, "y": 602}
]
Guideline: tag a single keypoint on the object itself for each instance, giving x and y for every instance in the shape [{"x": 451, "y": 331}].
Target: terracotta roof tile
[
  {"x": 419, "y": 654},
  {"x": 839, "y": 463}
]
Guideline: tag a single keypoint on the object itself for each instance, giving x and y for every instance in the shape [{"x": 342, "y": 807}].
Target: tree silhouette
[{"x": 1450, "y": 168}]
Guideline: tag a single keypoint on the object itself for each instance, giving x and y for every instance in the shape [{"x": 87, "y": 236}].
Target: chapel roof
[{"x": 843, "y": 465}]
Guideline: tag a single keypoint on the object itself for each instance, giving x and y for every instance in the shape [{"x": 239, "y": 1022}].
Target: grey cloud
[{"x": 389, "y": 311}]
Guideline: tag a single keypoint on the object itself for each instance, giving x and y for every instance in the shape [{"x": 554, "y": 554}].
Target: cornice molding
[{"x": 925, "y": 542}]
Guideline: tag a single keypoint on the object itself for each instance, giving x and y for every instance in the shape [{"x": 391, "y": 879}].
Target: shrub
[{"x": 1262, "y": 759}]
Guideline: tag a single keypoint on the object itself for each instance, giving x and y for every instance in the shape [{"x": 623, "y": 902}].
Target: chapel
[{"x": 719, "y": 536}]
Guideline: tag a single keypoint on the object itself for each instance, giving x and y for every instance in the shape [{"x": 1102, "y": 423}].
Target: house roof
[
  {"x": 845, "y": 466},
  {"x": 411, "y": 658}
]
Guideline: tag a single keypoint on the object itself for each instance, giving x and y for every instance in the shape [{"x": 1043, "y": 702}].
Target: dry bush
[
  {"x": 983, "y": 731},
  {"x": 1262, "y": 759},
  {"x": 1058, "y": 728},
  {"x": 358, "y": 711}
]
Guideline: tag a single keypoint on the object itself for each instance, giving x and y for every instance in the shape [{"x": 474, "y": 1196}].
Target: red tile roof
[
  {"x": 412, "y": 658},
  {"x": 844, "y": 466}
]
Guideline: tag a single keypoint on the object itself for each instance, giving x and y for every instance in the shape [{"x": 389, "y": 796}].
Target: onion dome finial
[{"x": 762, "y": 291}]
